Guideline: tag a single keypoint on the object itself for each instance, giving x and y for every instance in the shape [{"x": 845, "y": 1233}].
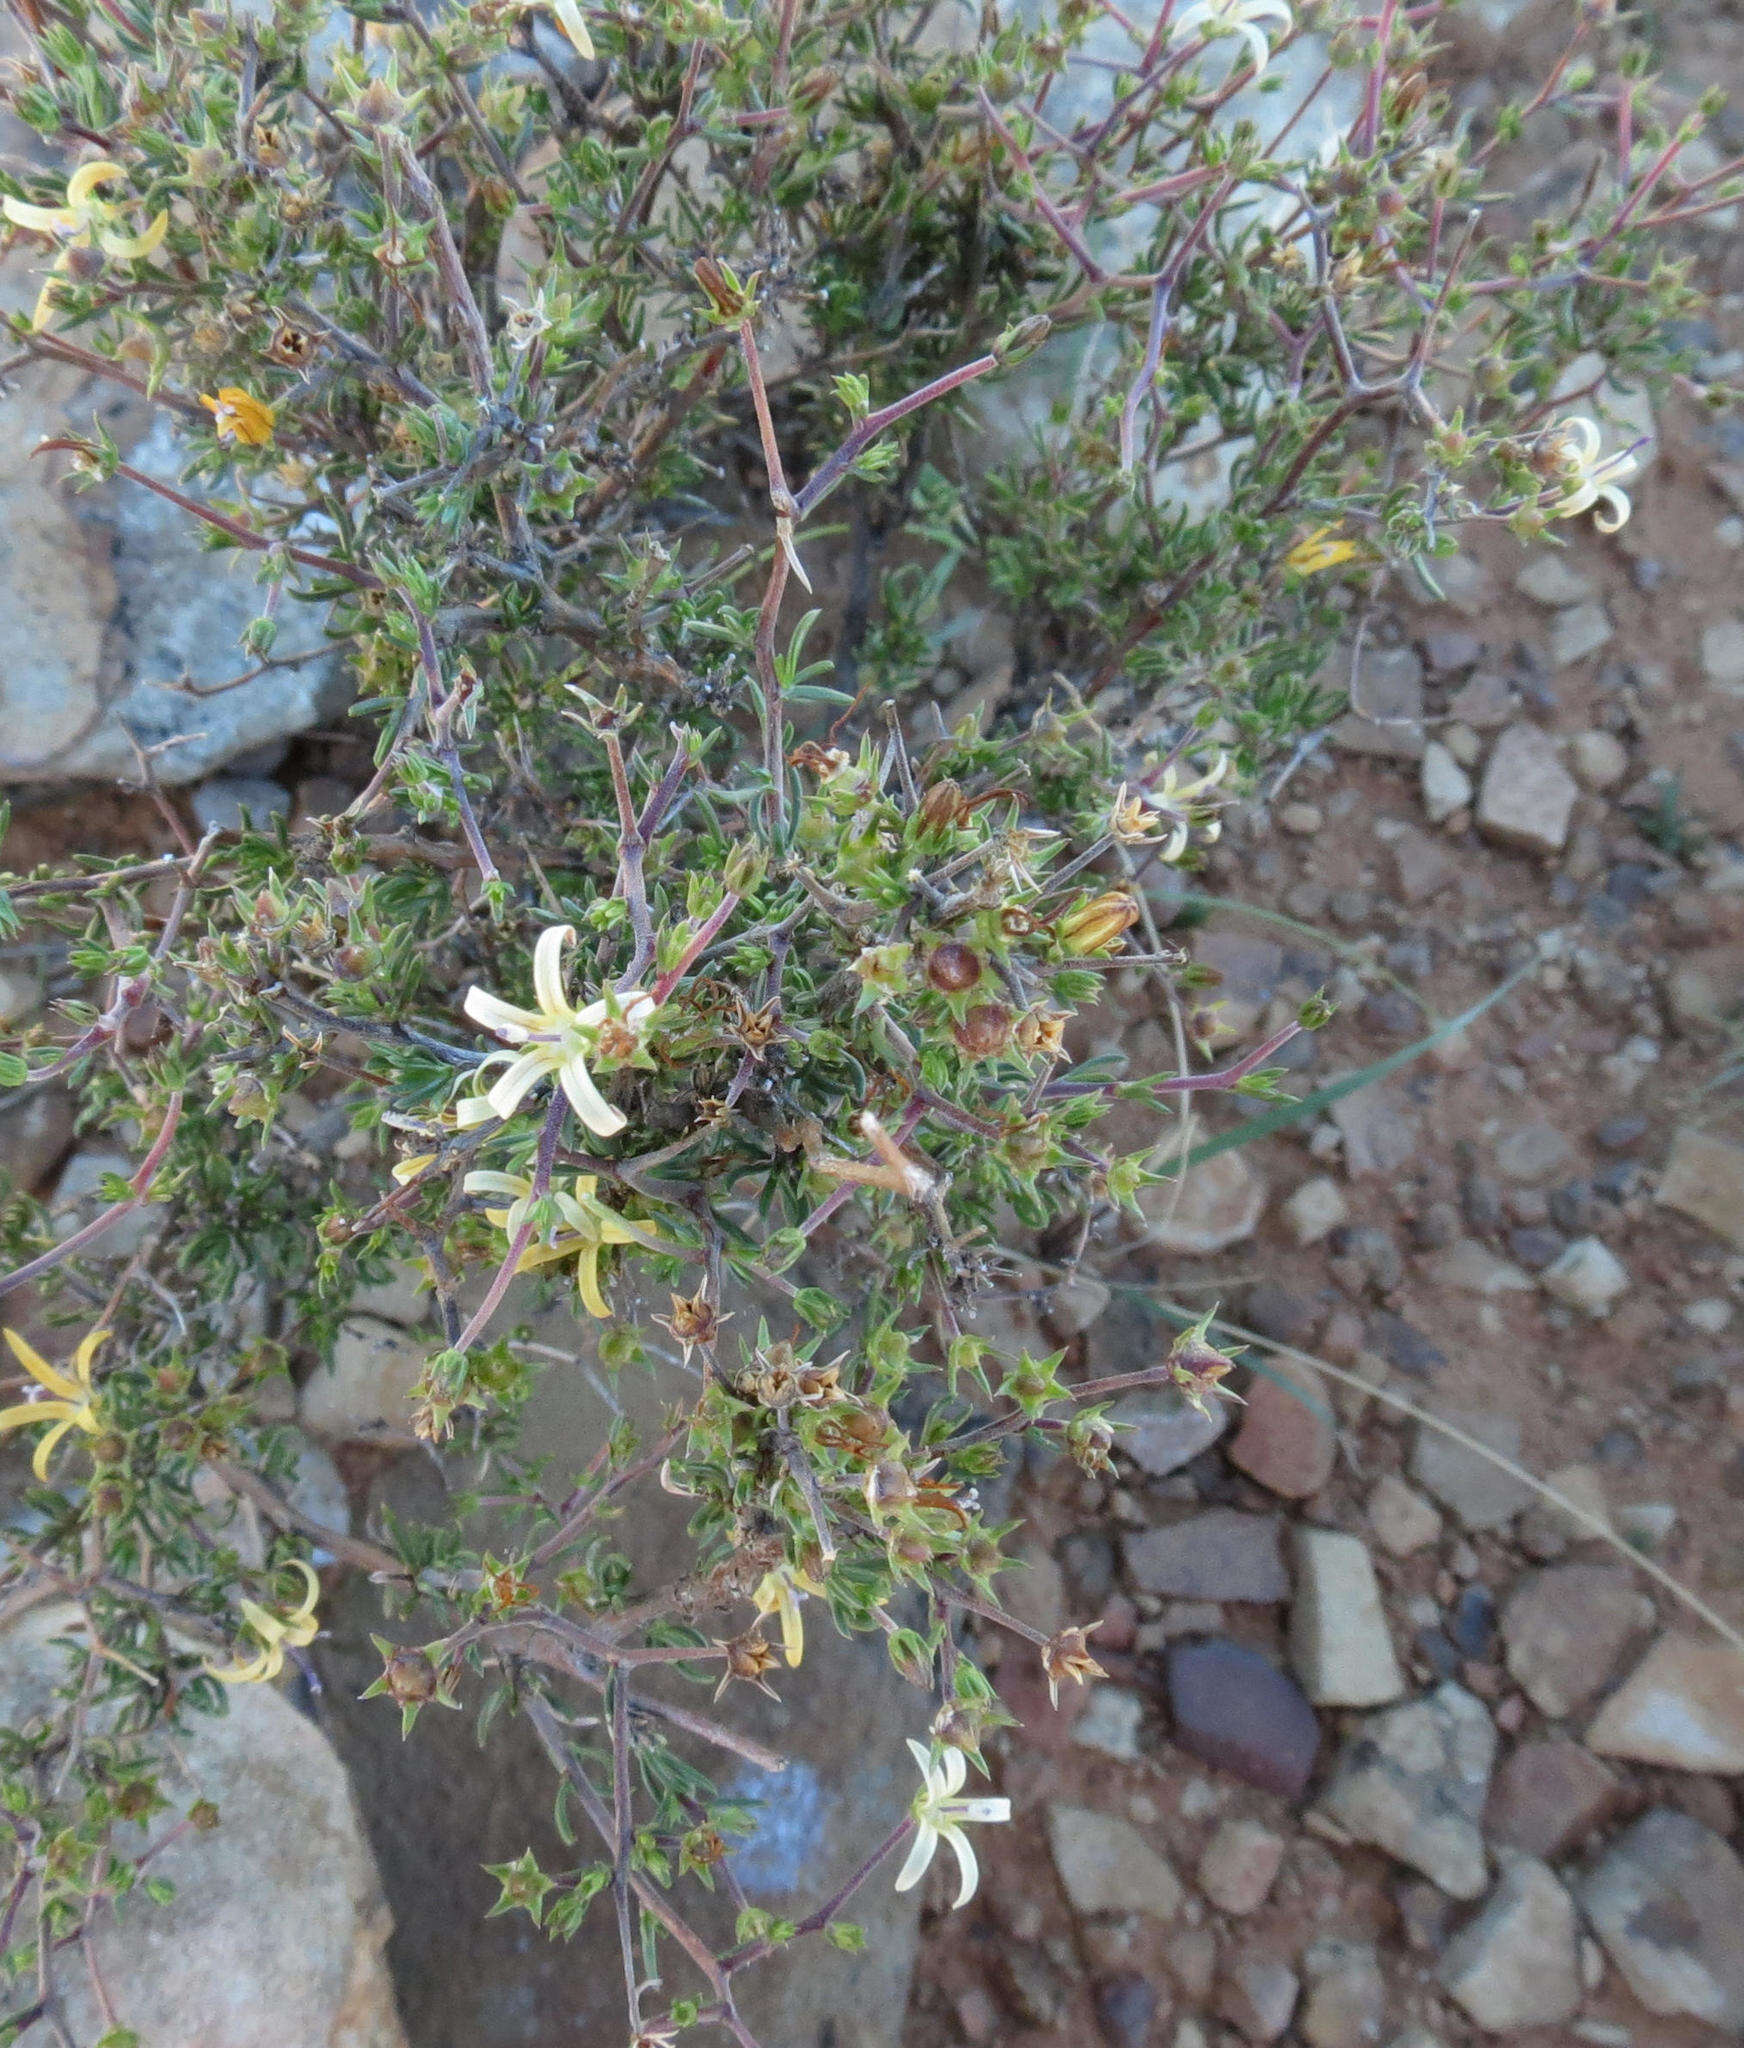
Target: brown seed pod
[
  {"x": 985, "y": 1031},
  {"x": 953, "y": 967}
]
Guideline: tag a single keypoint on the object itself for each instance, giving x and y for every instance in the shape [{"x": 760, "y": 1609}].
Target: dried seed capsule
[
  {"x": 953, "y": 967},
  {"x": 985, "y": 1031}
]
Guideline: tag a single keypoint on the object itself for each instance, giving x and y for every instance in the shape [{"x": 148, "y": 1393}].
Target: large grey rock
[
  {"x": 1667, "y": 1901},
  {"x": 437, "y": 1806},
  {"x": 1412, "y": 1781},
  {"x": 1160, "y": 1431},
  {"x": 107, "y": 599},
  {"x": 276, "y": 1928},
  {"x": 1517, "y": 1962}
]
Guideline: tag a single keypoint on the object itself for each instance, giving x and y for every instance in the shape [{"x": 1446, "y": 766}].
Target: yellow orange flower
[
  {"x": 72, "y": 1398},
  {"x": 277, "y": 1633},
  {"x": 237, "y": 415},
  {"x": 1321, "y": 550},
  {"x": 83, "y": 221}
]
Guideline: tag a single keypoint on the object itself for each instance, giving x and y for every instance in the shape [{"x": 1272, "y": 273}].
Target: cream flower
[
  {"x": 80, "y": 221},
  {"x": 939, "y": 1815},
  {"x": 277, "y": 1633},
  {"x": 1179, "y": 805},
  {"x": 569, "y": 19},
  {"x": 557, "y": 1037},
  {"x": 1212, "y": 18},
  {"x": 1584, "y": 477},
  {"x": 586, "y": 1228},
  {"x": 72, "y": 1400}
]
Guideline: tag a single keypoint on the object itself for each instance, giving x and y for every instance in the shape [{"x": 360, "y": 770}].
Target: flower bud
[
  {"x": 953, "y": 967},
  {"x": 943, "y": 807},
  {"x": 1022, "y": 340},
  {"x": 1097, "y": 926},
  {"x": 410, "y": 1678}
]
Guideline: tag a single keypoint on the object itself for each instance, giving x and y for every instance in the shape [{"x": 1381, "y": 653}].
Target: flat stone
[
  {"x": 1552, "y": 580},
  {"x": 1412, "y": 1780},
  {"x": 1549, "y": 1797},
  {"x": 1534, "y": 1153},
  {"x": 1288, "y": 1439},
  {"x": 1315, "y": 1210},
  {"x": 1160, "y": 1432},
  {"x": 276, "y": 1928},
  {"x": 1516, "y": 1962},
  {"x": 1258, "y": 1996},
  {"x": 1234, "y": 1708},
  {"x": 1704, "y": 1179},
  {"x": 1221, "y": 1554},
  {"x": 1565, "y": 1630},
  {"x": 1339, "y": 1641},
  {"x": 1107, "y": 1866},
  {"x": 1240, "y": 1865},
  {"x": 1587, "y": 1276},
  {"x": 366, "y": 1392},
  {"x": 1209, "y": 1208},
  {"x": 1667, "y": 1901},
  {"x": 1403, "y": 1521},
  {"x": 1385, "y": 720},
  {"x": 1444, "y": 784},
  {"x": 1578, "y": 633},
  {"x": 1527, "y": 796},
  {"x": 1599, "y": 759},
  {"x": 1682, "y": 1705},
  {"x": 1478, "y": 1494}
]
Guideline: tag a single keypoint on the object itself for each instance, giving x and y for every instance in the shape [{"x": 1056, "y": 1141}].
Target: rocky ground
[{"x": 1390, "y": 1750}]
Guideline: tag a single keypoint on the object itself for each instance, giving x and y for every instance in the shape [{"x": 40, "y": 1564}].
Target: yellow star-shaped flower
[
  {"x": 277, "y": 1634},
  {"x": 72, "y": 1399}
]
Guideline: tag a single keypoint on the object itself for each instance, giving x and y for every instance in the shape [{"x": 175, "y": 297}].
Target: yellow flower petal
[
  {"x": 129, "y": 248},
  {"x": 588, "y": 1281},
  {"x": 82, "y": 185},
  {"x": 44, "y": 1374},
  {"x": 40, "y": 220},
  {"x": 45, "y": 1449}
]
